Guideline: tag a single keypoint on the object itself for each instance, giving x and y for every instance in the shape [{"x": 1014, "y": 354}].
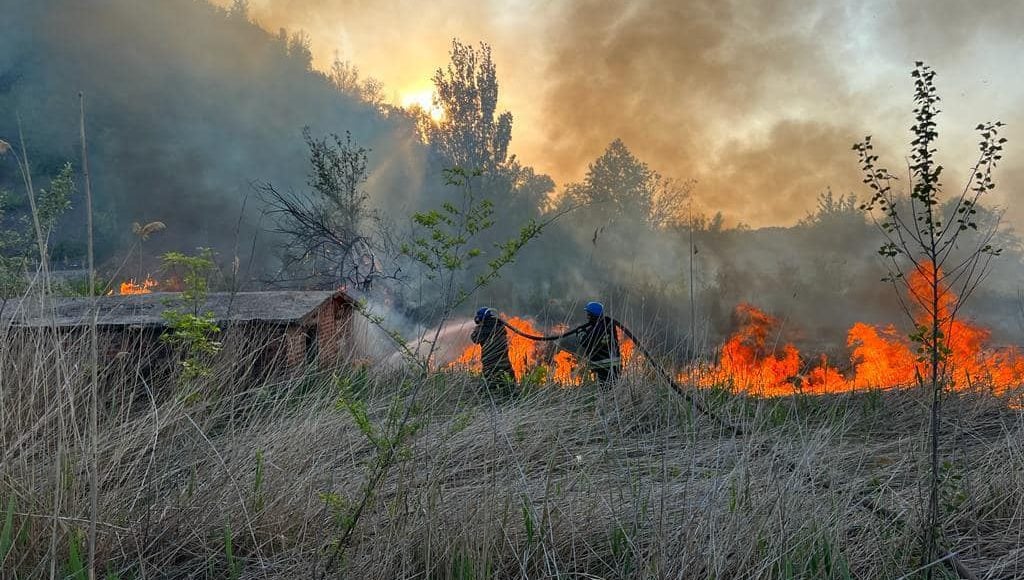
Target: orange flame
[
  {"x": 131, "y": 287},
  {"x": 522, "y": 352},
  {"x": 564, "y": 365},
  {"x": 560, "y": 366},
  {"x": 753, "y": 362},
  {"x": 750, "y": 361},
  {"x": 756, "y": 360}
]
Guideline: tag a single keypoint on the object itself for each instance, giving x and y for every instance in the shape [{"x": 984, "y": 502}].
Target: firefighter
[
  {"x": 490, "y": 334},
  {"x": 599, "y": 343}
]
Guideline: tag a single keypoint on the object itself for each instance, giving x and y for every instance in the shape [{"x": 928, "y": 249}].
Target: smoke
[
  {"x": 760, "y": 101},
  {"x": 186, "y": 108}
]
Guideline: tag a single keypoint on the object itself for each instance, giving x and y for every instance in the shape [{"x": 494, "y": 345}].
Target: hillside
[{"x": 186, "y": 107}]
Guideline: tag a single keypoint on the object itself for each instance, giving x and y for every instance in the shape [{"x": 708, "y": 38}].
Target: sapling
[{"x": 922, "y": 243}]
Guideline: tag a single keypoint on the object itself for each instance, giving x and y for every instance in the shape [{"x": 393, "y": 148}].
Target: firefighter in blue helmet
[
  {"x": 490, "y": 334},
  {"x": 599, "y": 343}
]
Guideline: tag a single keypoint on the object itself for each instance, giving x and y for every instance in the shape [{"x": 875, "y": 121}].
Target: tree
[
  {"x": 330, "y": 235},
  {"x": 444, "y": 246},
  {"x": 473, "y": 137},
  {"x": 831, "y": 210},
  {"x": 300, "y": 49},
  {"x": 346, "y": 78},
  {"x": 469, "y": 135},
  {"x": 618, "y": 185},
  {"x": 921, "y": 250},
  {"x": 192, "y": 331},
  {"x": 671, "y": 204},
  {"x": 46, "y": 207}
]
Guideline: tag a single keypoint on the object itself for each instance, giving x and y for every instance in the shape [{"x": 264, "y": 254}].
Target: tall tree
[
  {"x": 470, "y": 134},
  {"x": 617, "y": 185}
]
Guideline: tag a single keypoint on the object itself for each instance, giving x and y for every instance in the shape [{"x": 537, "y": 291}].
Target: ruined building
[{"x": 288, "y": 328}]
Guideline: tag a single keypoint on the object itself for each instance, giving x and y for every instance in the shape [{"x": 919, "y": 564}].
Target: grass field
[{"x": 245, "y": 478}]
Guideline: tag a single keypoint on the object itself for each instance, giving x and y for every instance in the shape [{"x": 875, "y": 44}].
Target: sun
[{"x": 422, "y": 99}]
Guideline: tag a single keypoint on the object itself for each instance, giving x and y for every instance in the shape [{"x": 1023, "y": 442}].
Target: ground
[{"x": 262, "y": 480}]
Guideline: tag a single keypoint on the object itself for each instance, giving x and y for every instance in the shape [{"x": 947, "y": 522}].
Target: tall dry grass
[{"x": 577, "y": 483}]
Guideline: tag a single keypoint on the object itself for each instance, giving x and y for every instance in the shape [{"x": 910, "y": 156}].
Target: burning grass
[
  {"x": 560, "y": 366},
  {"x": 620, "y": 483},
  {"x": 754, "y": 360}
]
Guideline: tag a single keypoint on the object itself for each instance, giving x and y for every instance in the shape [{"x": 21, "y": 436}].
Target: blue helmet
[
  {"x": 483, "y": 314},
  {"x": 594, "y": 308}
]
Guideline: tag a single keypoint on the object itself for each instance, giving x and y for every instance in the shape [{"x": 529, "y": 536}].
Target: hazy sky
[{"x": 759, "y": 101}]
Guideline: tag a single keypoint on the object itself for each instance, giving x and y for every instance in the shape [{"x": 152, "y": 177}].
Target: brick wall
[
  {"x": 326, "y": 333},
  {"x": 294, "y": 346}
]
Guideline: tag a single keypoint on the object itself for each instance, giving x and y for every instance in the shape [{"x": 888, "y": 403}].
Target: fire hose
[{"x": 660, "y": 370}]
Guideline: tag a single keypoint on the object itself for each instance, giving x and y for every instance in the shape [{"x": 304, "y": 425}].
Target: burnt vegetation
[{"x": 212, "y": 461}]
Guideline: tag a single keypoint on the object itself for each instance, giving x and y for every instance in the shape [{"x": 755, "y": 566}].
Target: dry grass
[{"x": 578, "y": 483}]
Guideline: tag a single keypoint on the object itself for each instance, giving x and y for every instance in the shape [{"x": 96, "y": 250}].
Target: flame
[
  {"x": 131, "y": 287},
  {"x": 753, "y": 361},
  {"x": 881, "y": 357},
  {"x": 626, "y": 349},
  {"x": 756, "y": 359},
  {"x": 564, "y": 365},
  {"x": 749, "y": 360},
  {"x": 561, "y": 367},
  {"x": 522, "y": 352}
]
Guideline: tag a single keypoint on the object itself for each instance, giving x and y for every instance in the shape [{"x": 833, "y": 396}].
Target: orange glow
[
  {"x": 522, "y": 352},
  {"x": 560, "y": 367},
  {"x": 131, "y": 287},
  {"x": 754, "y": 360},
  {"x": 422, "y": 99}
]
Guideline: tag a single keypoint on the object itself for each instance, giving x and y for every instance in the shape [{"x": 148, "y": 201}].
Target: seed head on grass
[{"x": 144, "y": 231}]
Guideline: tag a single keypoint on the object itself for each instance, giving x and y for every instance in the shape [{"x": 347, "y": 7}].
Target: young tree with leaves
[
  {"x": 445, "y": 247},
  {"x": 192, "y": 330},
  {"x": 47, "y": 206},
  {"x": 920, "y": 243}
]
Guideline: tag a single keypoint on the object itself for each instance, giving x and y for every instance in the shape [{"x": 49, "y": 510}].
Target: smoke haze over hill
[{"x": 760, "y": 101}]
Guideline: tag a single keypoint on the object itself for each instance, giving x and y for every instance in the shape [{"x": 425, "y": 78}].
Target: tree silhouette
[{"x": 470, "y": 135}]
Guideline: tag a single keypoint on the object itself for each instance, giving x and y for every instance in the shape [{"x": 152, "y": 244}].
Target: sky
[{"x": 759, "y": 101}]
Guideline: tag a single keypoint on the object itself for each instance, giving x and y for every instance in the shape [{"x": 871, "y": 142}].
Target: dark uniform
[
  {"x": 600, "y": 345},
  {"x": 490, "y": 334}
]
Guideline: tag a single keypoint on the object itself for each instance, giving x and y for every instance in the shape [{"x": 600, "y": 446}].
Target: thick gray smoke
[
  {"x": 760, "y": 101},
  {"x": 185, "y": 109}
]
